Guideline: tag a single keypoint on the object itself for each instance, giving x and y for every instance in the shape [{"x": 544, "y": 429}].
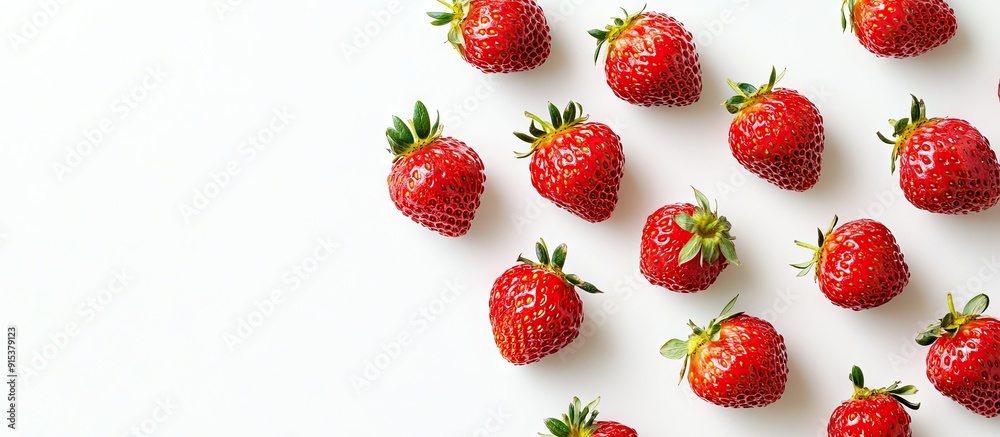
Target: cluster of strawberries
[{"x": 737, "y": 360}]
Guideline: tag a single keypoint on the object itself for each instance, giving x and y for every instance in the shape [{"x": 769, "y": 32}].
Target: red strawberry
[
  {"x": 873, "y": 412},
  {"x": 534, "y": 309},
  {"x": 858, "y": 266},
  {"x": 575, "y": 164},
  {"x": 777, "y": 134},
  {"x": 675, "y": 235},
  {"x": 946, "y": 165},
  {"x": 436, "y": 181},
  {"x": 651, "y": 61},
  {"x": 964, "y": 360},
  {"x": 580, "y": 422},
  {"x": 739, "y": 361},
  {"x": 497, "y": 36},
  {"x": 899, "y": 28}
]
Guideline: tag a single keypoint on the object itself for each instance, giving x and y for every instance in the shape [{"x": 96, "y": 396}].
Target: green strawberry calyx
[
  {"x": 894, "y": 391},
  {"x": 954, "y": 320},
  {"x": 847, "y": 14},
  {"x": 458, "y": 10},
  {"x": 407, "y": 137},
  {"x": 560, "y": 122},
  {"x": 680, "y": 349},
  {"x": 902, "y": 129},
  {"x": 612, "y": 31},
  {"x": 710, "y": 234},
  {"x": 805, "y": 267},
  {"x": 747, "y": 95},
  {"x": 578, "y": 422},
  {"x": 554, "y": 263}
]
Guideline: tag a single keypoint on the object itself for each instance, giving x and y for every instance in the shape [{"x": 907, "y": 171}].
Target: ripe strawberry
[
  {"x": 858, "y": 266},
  {"x": 899, "y": 28},
  {"x": 739, "y": 361},
  {"x": 873, "y": 412},
  {"x": 580, "y": 422},
  {"x": 651, "y": 60},
  {"x": 436, "y": 181},
  {"x": 497, "y": 36},
  {"x": 777, "y": 134},
  {"x": 575, "y": 164},
  {"x": 674, "y": 235},
  {"x": 964, "y": 360},
  {"x": 534, "y": 309},
  {"x": 946, "y": 165}
]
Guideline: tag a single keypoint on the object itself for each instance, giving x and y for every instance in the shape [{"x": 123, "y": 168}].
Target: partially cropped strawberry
[
  {"x": 964, "y": 360},
  {"x": 497, "y": 36},
  {"x": 581, "y": 422},
  {"x": 576, "y": 164},
  {"x": 738, "y": 361},
  {"x": 436, "y": 181},
  {"x": 777, "y": 134},
  {"x": 876, "y": 412},
  {"x": 534, "y": 309},
  {"x": 858, "y": 265},
  {"x": 945, "y": 165},
  {"x": 651, "y": 60},
  {"x": 899, "y": 28},
  {"x": 677, "y": 234}
]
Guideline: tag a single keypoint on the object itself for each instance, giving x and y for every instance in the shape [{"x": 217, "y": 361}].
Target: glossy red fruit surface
[
  {"x": 900, "y": 28},
  {"x": 946, "y": 165},
  {"x": 777, "y": 134},
  {"x": 498, "y": 36},
  {"x": 436, "y": 181},
  {"x": 534, "y": 308},
  {"x": 738, "y": 361},
  {"x": 858, "y": 265},
  {"x": 577, "y": 165},
  {"x": 963, "y": 362},
  {"x": 651, "y": 60}
]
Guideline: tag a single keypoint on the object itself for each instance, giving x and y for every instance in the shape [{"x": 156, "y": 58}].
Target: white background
[{"x": 162, "y": 339}]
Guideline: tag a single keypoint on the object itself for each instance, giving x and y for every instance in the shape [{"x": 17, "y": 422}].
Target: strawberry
[
  {"x": 873, "y": 412},
  {"x": 964, "y": 360},
  {"x": 674, "y": 235},
  {"x": 651, "y": 60},
  {"x": 580, "y": 422},
  {"x": 739, "y": 361},
  {"x": 436, "y": 181},
  {"x": 534, "y": 309},
  {"x": 497, "y": 36},
  {"x": 777, "y": 134},
  {"x": 946, "y": 165},
  {"x": 899, "y": 28},
  {"x": 858, "y": 265},
  {"x": 575, "y": 164}
]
